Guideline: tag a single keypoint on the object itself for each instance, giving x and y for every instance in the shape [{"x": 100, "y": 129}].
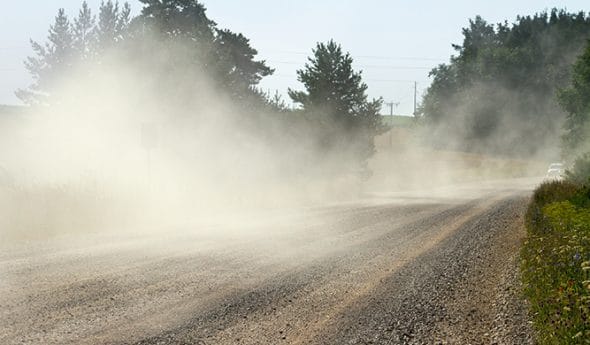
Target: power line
[
  {"x": 391, "y": 81},
  {"x": 360, "y": 66},
  {"x": 368, "y": 80},
  {"x": 379, "y": 57},
  {"x": 398, "y": 58},
  {"x": 395, "y": 67}
]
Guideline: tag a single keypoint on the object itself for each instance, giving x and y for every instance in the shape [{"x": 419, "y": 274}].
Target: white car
[{"x": 555, "y": 170}]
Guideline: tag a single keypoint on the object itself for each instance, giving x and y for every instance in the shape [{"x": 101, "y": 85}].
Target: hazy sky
[{"x": 394, "y": 42}]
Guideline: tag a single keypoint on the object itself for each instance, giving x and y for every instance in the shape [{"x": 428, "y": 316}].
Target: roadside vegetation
[
  {"x": 556, "y": 262},
  {"x": 556, "y": 255}
]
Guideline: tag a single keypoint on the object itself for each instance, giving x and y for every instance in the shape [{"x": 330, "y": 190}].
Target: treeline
[
  {"x": 173, "y": 35},
  {"x": 575, "y": 100},
  {"x": 189, "y": 63},
  {"x": 498, "y": 94}
]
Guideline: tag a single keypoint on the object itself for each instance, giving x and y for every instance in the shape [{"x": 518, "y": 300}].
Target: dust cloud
[
  {"x": 490, "y": 118},
  {"x": 128, "y": 151},
  {"x": 405, "y": 163},
  {"x": 125, "y": 150}
]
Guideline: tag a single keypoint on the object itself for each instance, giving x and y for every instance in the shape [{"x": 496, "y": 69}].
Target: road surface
[{"x": 393, "y": 269}]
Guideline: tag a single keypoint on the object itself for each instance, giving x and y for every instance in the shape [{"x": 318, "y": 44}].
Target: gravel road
[{"x": 392, "y": 269}]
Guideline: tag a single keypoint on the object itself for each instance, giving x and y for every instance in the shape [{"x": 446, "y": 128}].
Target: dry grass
[{"x": 41, "y": 211}]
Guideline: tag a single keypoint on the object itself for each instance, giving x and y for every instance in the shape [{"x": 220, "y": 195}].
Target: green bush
[
  {"x": 556, "y": 263},
  {"x": 580, "y": 173},
  {"x": 547, "y": 193}
]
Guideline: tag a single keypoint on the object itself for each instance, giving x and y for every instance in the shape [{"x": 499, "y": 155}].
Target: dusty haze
[
  {"x": 126, "y": 150},
  {"x": 129, "y": 149}
]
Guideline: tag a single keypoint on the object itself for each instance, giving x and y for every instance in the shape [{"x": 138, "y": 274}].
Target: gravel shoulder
[{"x": 490, "y": 309}]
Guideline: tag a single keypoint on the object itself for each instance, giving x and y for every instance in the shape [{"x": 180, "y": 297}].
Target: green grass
[{"x": 556, "y": 263}]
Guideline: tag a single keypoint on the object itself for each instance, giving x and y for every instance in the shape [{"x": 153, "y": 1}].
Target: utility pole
[
  {"x": 415, "y": 96},
  {"x": 391, "y": 105}
]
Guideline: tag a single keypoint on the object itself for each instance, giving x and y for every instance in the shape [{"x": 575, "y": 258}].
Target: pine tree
[
  {"x": 337, "y": 96},
  {"x": 186, "y": 18},
  {"x": 51, "y": 62},
  {"x": 113, "y": 21},
  {"x": 235, "y": 61},
  {"x": 84, "y": 32},
  {"x": 198, "y": 46}
]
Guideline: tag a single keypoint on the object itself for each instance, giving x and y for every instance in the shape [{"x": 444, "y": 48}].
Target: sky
[{"x": 395, "y": 43}]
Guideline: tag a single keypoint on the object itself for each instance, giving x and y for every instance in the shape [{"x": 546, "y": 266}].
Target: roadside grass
[
  {"x": 31, "y": 211},
  {"x": 556, "y": 262}
]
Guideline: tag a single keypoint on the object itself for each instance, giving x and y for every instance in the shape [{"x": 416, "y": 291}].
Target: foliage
[
  {"x": 234, "y": 57},
  {"x": 580, "y": 173},
  {"x": 575, "y": 100},
  {"x": 336, "y": 98},
  {"x": 70, "y": 46},
  {"x": 173, "y": 18},
  {"x": 112, "y": 24},
  {"x": 53, "y": 59},
  {"x": 195, "y": 52},
  {"x": 501, "y": 85},
  {"x": 154, "y": 38},
  {"x": 556, "y": 263},
  {"x": 547, "y": 193},
  {"x": 84, "y": 32}
]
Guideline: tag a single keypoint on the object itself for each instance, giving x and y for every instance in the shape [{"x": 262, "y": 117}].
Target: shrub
[
  {"x": 546, "y": 193},
  {"x": 580, "y": 173},
  {"x": 556, "y": 263}
]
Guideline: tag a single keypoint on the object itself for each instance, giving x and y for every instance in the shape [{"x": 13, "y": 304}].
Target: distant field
[
  {"x": 401, "y": 163},
  {"x": 397, "y": 120},
  {"x": 11, "y": 110}
]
